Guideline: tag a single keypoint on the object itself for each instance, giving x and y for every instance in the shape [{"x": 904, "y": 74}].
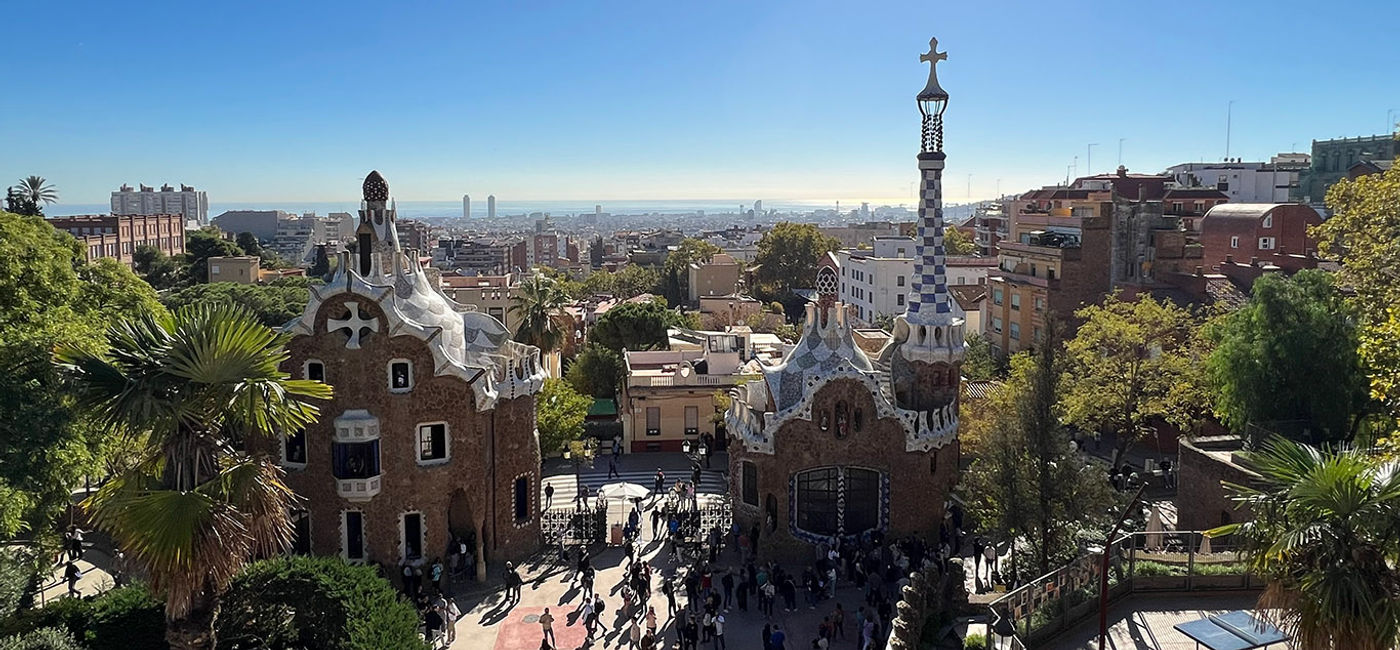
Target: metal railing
[{"x": 1139, "y": 562}]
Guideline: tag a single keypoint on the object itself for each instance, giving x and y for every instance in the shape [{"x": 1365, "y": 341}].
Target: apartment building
[
  {"x": 189, "y": 203},
  {"x": 668, "y": 396},
  {"x": 118, "y": 236},
  {"x": 718, "y": 277}
]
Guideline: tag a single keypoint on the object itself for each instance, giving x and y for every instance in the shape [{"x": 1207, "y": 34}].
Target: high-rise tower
[
  {"x": 466, "y": 206},
  {"x": 926, "y": 353},
  {"x": 491, "y": 206}
]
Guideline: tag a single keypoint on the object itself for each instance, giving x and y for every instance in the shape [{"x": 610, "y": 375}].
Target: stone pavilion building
[
  {"x": 834, "y": 442},
  {"x": 430, "y": 434}
]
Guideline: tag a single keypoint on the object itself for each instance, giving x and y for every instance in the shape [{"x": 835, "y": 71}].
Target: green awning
[{"x": 603, "y": 407}]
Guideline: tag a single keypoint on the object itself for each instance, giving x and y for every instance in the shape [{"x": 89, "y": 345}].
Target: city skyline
[{"x": 608, "y": 103}]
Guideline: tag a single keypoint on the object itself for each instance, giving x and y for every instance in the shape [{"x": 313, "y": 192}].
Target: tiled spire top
[{"x": 376, "y": 188}]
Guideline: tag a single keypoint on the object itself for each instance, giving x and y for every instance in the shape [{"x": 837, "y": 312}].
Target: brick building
[
  {"x": 1252, "y": 230},
  {"x": 430, "y": 433},
  {"x": 832, "y": 442},
  {"x": 118, "y": 236}
]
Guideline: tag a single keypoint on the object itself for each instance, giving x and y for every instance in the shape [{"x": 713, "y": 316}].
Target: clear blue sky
[{"x": 295, "y": 101}]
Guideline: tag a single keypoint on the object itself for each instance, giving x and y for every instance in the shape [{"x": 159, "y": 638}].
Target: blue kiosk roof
[{"x": 1239, "y": 630}]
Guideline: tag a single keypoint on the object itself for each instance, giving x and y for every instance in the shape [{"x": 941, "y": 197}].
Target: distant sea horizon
[{"x": 557, "y": 208}]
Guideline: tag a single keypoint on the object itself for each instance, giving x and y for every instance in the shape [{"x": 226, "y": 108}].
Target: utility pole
[
  {"x": 1089, "y": 158},
  {"x": 969, "y": 187},
  {"x": 1389, "y": 120},
  {"x": 1120, "y": 151},
  {"x": 1229, "y": 113}
]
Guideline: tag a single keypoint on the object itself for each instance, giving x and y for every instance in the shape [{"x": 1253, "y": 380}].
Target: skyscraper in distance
[
  {"x": 466, "y": 206},
  {"x": 491, "y": 206}
]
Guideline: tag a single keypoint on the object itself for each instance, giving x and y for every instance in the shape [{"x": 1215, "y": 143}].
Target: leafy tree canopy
[
  {"x": 1364, "y": 232},
  {"x": 559, "y": 414},
  {"x": 274, "y": 304},
  {"x": 1124, "y": 362},
  {"x": 1287, "y": 361},
  {"x": 202, "y": 244},
  {"x": 50, "y": 294},
  {"x": 635, "y": 326},
  {"x": 788, "y": 256},
  {"x": 596, "y": 371},
  {"x": 634, "y": 280},
  {"x": 956, "y": 242},
  {"x": 980, "y": 361}
]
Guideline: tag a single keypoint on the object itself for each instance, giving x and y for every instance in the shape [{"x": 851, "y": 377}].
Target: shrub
[
  {"x": 975, "y": 642},
  {"x": 315, "y": 603},
  {"x": 48, "y": 638},
  {"x": 126, "y": 617},
  {"x": 1148, "y": 569}
]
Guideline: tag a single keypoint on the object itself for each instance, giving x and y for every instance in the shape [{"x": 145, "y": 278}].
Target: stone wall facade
[
  {"x": 1202, "y": 502},
  {"x": 914, "y": 485},
  {"x": 471, "y": 493}
]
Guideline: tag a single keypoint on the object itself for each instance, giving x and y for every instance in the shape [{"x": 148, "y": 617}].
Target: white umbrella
[
  {"x": 1205, "y": 545},
  {"x": 1154, "y": 529},
  {"x": 623, "y": 491}
]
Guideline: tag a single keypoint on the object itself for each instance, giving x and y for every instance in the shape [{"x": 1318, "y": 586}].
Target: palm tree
[
  {"x": 36, "y": 189},
  {"x": 537, "y": 304},
  {"x": 186, "y": 391},
  {"x": 1326, "y": 538}
]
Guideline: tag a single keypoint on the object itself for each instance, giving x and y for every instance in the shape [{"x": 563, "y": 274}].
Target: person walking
[
  {"x": 838, "y": 622},
  {"x": 548, "y": 495},
  {"x": 719, "y": 632},
  {"x": 728, "y": 583},
  {"x": 547, "y": 626},
  {"x": 767, "y": 635},
  {"x": 651, "y": 620},
  {"x": 779, "y": 639},
  {"x": 513, "y": 581},
  {"x": 669, "y": 590},
  {"x": 71, "y": 574},
  {"x": 612, "y": 468},
  {"x": 453, "y": 613},
  {"x": 436, "y": 575}
]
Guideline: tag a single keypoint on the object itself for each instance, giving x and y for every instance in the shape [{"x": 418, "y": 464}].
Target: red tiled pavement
[{"x": 521, "y": 629}]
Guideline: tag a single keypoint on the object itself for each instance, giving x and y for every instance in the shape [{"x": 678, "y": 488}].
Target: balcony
[
  {"x": 665, "y": 381},
  {"x": 358, "y": 489}
]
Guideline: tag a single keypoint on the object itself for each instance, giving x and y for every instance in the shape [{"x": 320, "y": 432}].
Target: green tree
[
  {"x": 634, "y": 280},
  {"x": 675, "y": 271},
  {"x": 559, "y": 414},
  {"x": 48, "y": 638},
  {"x": 596, "y": 371},
  {"x": 1325, "y": 536},
  {"x": 634, "y": 326},
  {"x": 158, "y": 269},
  {"x": 1026, "y": 482},
  {"x": 1364, "y": 234},
  {"x": 787, "y": 259},
  {"x": 1124, "y": 362},
  {"x": 273, "y": 304},
  {"x": 249, "y": 243},
  {"x": 315, "y": 603},
  {"x": 20, "y": 204},
  {"x": 49, "y": 294},
  {"x": 182, "y": 391},
  {"x": 598, "y": 282},
  {"x": 1288, "y": 360},
  {"x": 536, "y": 306},
  {"x": 37, "y": 190},
  {"x": 956, "y": 242},
  {"x": 981, "y": 361}
]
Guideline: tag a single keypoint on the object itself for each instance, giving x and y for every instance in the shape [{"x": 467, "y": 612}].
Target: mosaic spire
[{"x": 929, "y": 302}]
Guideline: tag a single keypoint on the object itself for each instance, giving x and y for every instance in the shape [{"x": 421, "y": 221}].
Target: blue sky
[{"x": 295, "y": 101}]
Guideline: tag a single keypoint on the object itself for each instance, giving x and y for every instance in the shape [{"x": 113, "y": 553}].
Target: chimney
[
  {"x": 1122, "y": 171},
  {"x": 1199, "y": 269},
  {"x": 1229, "y": 259},
  {"x": 1253, "y": 261}
]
